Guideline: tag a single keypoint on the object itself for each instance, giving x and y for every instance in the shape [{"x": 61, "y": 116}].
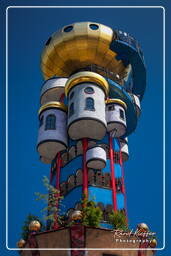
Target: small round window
[
  {"x": 68, "y": 29},
  {"x": 72, "y": 95},
  {"x": 93, "y": 26},
  {"x": 89, "y": 90}
]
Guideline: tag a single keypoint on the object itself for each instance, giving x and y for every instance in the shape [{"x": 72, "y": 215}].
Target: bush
[
  {"x": 51, "y": 211},
  {"x": 118, "y": 220},
  {"x": 92, "y": 215}
]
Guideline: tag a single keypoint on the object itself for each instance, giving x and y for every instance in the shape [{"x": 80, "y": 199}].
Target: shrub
[
  {"x": 118, "y": 220},
  {"x": 92, "y": 215}
]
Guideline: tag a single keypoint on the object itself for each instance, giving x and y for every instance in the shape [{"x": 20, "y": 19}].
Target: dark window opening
[
  {"x": 111, "y": 107},
  {"x": 89, "y": 90},
  {"x": 50, "y": 122},
  {"x": 122, "y": 116},
  {"x": 41, "y": 121},
  {"x": 68, "y": 29},
  {"x": 93, "y": 26},
  {"x": 89, "y": 104},
  {"x": 71, "y": 109},
  {"x": 72, "y": 95}
]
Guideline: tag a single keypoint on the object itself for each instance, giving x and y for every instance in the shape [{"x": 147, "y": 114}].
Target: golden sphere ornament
[
  {"x": 21, "y": 243},
  {"x": 142, "y": 227},
  {"x": 34, "y": 225},
  {"x": 153, "y": 243},
  {"x": 76, "y": 215}
]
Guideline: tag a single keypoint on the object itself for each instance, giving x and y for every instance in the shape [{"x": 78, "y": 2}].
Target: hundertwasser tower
[{"x": 95, "y": 79}]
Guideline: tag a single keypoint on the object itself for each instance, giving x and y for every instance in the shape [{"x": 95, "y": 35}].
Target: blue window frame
[
  {"x": 89, "y": 104},
  {"x": 50, "y": 122}
]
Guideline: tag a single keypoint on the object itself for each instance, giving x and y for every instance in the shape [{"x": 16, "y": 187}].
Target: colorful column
[
  {"x": 113, "y": 183},
  {"x": 85, "y": 170}
]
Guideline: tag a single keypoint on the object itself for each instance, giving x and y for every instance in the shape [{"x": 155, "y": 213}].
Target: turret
[
  {"x": 86, "y": 92},
  {"x": 96, "y": 158},
  {"x": 52, "y": 136},
  {"x": 137, "y": 105},
  {"x": 115, "y": 117},
  {"x": 52, "y": 90},
  {"x": 124, "y": 149}
]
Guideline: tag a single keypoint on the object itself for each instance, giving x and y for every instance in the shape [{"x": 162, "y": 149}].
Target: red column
[
  {"x": 111, "y": 153},
  {"x": 85, "y": 171},
  {"x": 58, "y": 169},
  {"x": 123, "y": 183}
]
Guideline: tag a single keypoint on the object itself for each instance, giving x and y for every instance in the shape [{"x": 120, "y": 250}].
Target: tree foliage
[
  {"x": 118, "y": 220},
  {"x": 92, "y": 215},
  {"x": 52, "y": 199}
]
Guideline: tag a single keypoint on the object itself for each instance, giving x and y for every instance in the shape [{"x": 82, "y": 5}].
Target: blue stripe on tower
[
  {"x": 105, "y": 140},
  {"x": 71, "y": 168},
  {"x": 100, "y": 195},
  {"x": 120, "y": 201},
  {"x": 107, "y": 168},
  {"x": 69, "y": 201},
  {"x": 116, "y": 145},
  {"x": 118, "y": 171}
]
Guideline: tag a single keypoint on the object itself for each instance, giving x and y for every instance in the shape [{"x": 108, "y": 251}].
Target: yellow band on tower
[
  {"x": 86, "y": 76},
  {"x": 53, "y": 104},
  {"x": 118, "y": 101}
]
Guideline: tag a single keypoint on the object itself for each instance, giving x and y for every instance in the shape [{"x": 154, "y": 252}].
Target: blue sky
[{"x": 28, "y": 31}]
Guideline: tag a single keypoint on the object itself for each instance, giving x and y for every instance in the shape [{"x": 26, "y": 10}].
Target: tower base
[{"x": 106, "y": 243}]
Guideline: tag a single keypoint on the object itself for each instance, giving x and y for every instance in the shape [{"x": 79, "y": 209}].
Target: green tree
[
  {"x": 118, "y": 220},
  {"x": 52, "y": 199},
  {"x": 92, "y": 215},
  {"x": 25, "y": 227}
]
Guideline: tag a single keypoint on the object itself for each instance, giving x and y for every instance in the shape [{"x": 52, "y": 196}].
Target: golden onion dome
[
  {"x": 78, "y": 45},
  {"x": 86, "y": 76},
  {"x": 34, "y": 225},
  {"x": 53, "y": 104},
  {"x": 153, "y": 243},
  {"x": 142, "y": 227},
  {"x": 117, "y": 101},
  {"x": 21, "y": 243},
  {"x": 76, "y": 215}
]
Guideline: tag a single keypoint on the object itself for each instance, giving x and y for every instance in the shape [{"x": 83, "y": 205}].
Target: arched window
[
  {"x": 71, "y": 96},
  {"x": 50, "y": 122},
  {"x": 122, "y": 116},
  {"x": 71, "y": 109},
  {"x": 111, "y": 107},
  {"x": 89, "y": 104}
]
